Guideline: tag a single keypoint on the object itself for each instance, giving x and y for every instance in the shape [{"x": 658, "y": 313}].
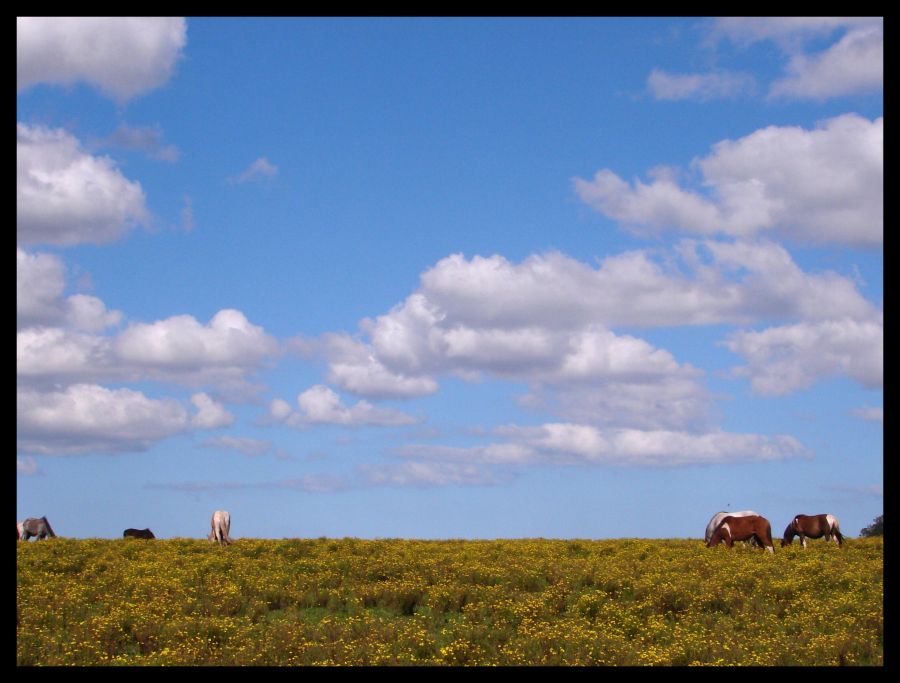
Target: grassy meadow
[{"x": 454, "y": 602}]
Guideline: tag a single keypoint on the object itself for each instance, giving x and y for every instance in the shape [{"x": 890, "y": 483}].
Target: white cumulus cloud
[
  {"x": 580, "y": 444},
  {"x": 549, "y": 322},
  {"x": 65, "y": 196},
  {"x": 354, "y": 368},
  {"x": 210, "y": 413},
  {"x": 855, "y": 64},
  {"x": 223, "y": 353},
  {"x": 817, "y": 186},
  {"x": 88, "y": 418},
  {"x": 792, "y": 357},
  {"x": 321, "y": 405},
  {"x": 852, "y": 63},
  {"x": 228, "y": 340},
  {"x": 122, "y": 56},
  {"x": 40, "y": 284},
  {"x": 88, "y": 313}
]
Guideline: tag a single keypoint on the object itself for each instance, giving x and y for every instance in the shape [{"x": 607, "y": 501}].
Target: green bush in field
[
  {"x": 876, "y": 528},
  {"x": 507, "y": 602}
]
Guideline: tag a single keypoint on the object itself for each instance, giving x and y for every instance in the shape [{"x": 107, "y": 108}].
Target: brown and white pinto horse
[
  {"x": 719, "y": 516},
  {"x": 812, "y": 526},
  {"x": 743, "y": 529}
]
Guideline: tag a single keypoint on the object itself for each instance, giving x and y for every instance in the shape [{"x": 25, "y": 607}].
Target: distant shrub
[{"x": 876, "y": 528}]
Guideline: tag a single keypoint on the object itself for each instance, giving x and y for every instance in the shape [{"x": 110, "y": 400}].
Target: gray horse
[{"x": 37, "y": 527}]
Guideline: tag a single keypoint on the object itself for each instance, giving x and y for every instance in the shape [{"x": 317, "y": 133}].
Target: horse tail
[
  {"x": 767, "y": 541},
  {"x": 214, "y": 532},
  {"x": 836, "y": 531}
]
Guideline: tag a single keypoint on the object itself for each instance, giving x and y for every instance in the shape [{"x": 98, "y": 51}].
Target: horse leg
[{"x": 763, "y": 545}]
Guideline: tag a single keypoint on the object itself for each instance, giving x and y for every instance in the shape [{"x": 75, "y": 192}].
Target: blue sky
[{"x": 448, "y": 277}]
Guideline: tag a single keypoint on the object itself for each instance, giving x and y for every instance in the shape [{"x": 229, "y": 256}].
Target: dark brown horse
[
  {"x": 138, "y": 533},
  {"x": 813, "y": 526},
  {"x": 734, "y": 529}
]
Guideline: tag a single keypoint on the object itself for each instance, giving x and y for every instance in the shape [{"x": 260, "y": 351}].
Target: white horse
[
  {"x": 221, "y": 527},
  {"x": 719, "y": 516}
]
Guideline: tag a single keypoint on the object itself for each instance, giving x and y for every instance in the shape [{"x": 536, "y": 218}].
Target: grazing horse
[
  {"x": 742, "y": 529},
  {"x": 138, "y": 533},
  {"x": 19, "y": 530},
  {"x": 37, "y": 527},
  {"x": 221, "y": 527},
  {"x": 812, "y": 526},
  {"x": 719, "y": 516}
]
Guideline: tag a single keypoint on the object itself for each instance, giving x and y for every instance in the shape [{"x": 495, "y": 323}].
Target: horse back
[{"x": 752, "y": 525}]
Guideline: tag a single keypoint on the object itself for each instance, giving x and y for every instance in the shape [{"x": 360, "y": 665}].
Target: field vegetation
[{"x": 455, "y": 602}]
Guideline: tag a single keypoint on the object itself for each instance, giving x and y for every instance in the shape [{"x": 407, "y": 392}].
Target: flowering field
[{"x": 507, "y": 602}]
